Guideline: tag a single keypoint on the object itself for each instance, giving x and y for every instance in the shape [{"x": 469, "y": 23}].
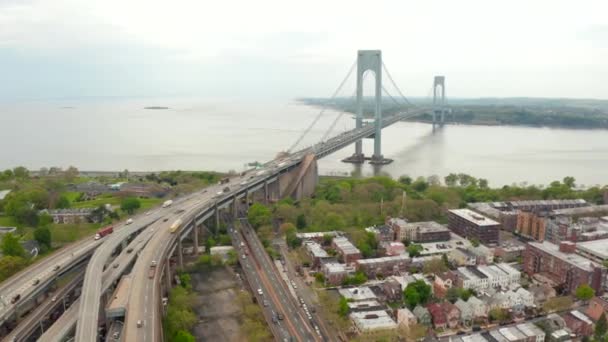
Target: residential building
[
  {"x": 595, "y": 250},
  {"x": 70, "y": 216},
  {"x": 384, "y": 266},
  {"x": 562, "y": 266},
  {"x": 452, "y": 314},
  {"x": 346, "y": 249},
  {"x": 463, "y": 257},
  {"x": 361, "y": 293},
  {"x": 406, "y": 317},
  {"x": 438, "y": 316},
  {"x": 479, "y": 307},
  {"x": 316, "y": 252},
  {"x": 398, "y": 226},
  {"x": 472, "y": 225},
  {"x": 531, "y": 224},
  {"x": 372, "y": 320},
  {"x": 334, "y": 272},
  {"x": 565, "y": 227},
  {"x": 365, "y": 305},
  {"x": 383, "y": 233},
  {"x": 509, "y": 251},
  {"x": 394, "y": 248},
  {"x": 422, "y": 232},
  {"x": 597, "y": 307},
  {"x": 392, "y": 290},
  {"x": 484, "y": 276},
  {"x": 317, "y": 236},
  {"x": 467, "y": 314},
  {"x": 578, "y": 323},
  {"x": 5, "y": 230},
  {"x": 422, "y": 315}
]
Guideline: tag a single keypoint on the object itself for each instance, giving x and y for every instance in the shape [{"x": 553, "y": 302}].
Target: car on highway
[
  {"x": 116, "y": 335},
  {"x": 115, "y": 265},
  {"x": 56, "y": 268},
  {"x": 260, "y": 292},
  {"x": 226, "y": 189},
  {"x": 280, "y": 316},
  {"x": 265, "y": 302},
  {"x": 129, "y": 221},
  {"x": 36, "y": 282},
  {"x": 165, "y": 219},
  {"x": 244, "y": 257},
  {"x": 15, "y": 299},
  {"x": 153, "y": 263},
  {"x": 140, "y": 323},
  {"x": 54, "y": 299},
  {"x": 129, "y": 250}
]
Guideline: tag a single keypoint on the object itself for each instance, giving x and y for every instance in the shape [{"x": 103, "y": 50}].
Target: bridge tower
[
  {"x": 369, "y": 60},
  {"x": 439, "y": 103}
]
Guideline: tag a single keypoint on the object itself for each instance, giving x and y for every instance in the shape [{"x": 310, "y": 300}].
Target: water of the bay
[{"x": 117, "y": 134}]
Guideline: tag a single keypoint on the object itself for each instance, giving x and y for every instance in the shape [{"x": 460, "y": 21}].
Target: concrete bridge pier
[
  {"x": 235, "y": 211},
  {"x": 439, "y": 102},
  {"x": 180, "y": 254},
  {"x": 195, "y": 230},
  {"x": 168, "y": 273}
]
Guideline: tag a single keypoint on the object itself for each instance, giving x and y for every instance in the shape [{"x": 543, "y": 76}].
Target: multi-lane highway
[{"x": 301, "y": 326}]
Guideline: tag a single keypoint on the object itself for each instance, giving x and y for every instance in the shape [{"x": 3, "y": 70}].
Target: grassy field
[
  {"x": 7, "y": 221},
  {"x": 66, "y": 233}
]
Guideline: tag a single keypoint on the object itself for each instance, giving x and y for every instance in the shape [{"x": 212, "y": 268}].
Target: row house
[
  {"x": 578, "y": 323},
  {"x": 405, "y": 317},
  {"x": 346, "y": 249},
  {"x": 423, "y": 316},
  {"x": 485, "y": 277},
  {"x": 597, "y": 307},
  {"x": 444, "y": 315},
  {"x": 384, "y": 266}
]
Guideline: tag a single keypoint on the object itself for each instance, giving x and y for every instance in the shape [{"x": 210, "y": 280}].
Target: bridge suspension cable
[
  {"x": 395, "y": 85},
  {"x": 316, "y": 119}
]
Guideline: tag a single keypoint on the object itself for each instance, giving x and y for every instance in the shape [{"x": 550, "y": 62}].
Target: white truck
[{"x": 167, "y": 203}]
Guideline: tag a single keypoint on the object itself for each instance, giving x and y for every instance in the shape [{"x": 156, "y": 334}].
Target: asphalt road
[{"x": 304, "y": 330}]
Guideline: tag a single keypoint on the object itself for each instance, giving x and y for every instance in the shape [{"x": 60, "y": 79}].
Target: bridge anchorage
[{"x": 369, "y": 60}]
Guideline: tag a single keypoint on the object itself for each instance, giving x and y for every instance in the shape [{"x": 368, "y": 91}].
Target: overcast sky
[{"x": 285, "y": 49}]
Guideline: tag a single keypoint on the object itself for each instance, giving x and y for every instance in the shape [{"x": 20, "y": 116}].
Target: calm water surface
[{"x": 222, "y": 135}]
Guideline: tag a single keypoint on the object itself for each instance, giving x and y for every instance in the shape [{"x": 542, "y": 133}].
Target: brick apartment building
[
  {"x": 422, "y": 232},
  {"x": 470, "y": 224},
  {"x": 532, "y": 224},
  {"x": 563, "y": 266},
  {"x": 597, "y": 307},
  {"x": 384, "y": 266},
  {"x": 346, "y": 249}
]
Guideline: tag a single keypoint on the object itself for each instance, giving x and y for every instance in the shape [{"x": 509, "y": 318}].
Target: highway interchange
[{"x": 144, "y": 297}]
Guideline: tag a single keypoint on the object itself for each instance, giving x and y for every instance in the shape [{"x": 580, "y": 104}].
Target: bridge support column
[
  {"x": 180, "y": 254},
  {"x": 439, "y": 103},
  {"x": 369, "y": 60},
  {"x": 235, "y": 210},
  {"x": 266, "y": 192},
  {"x": 195, "y": 237},
  {"x": 217, "y": 219},
  {"x": 168, "y": 274}
]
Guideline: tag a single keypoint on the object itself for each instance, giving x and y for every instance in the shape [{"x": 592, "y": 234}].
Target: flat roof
[
  {"x": 581, "y": 316},
  {"x": 395, "y": 258},
  {"x": 599, "y": 248},
  {"x": 371, "y": 320},
  {"x": 512, "y": 334},
  {"x": 334, "y": 267},
  {"x": 530, "y": 329},
  {"x": 571, "y": 258},
  {"x": 474, "y": 217},
  {"x": 426, "y": 226},
  {"x": 364, "y": 304},
  {"x": 345, "y": 245},
  {"x": 316, "y": 250},
  {"x": 357, "y": 293},
  {"x": 582, "y": 210}
]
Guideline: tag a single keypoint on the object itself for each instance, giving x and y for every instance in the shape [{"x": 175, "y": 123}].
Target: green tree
[
  {"x": 601, "y": 327},
  {"x": 10, "y": 265},
  {"x": 130, "y": 204},
  {"x": 343, "y": 307},
  {"x": 292, "y": 240},
  {"x": 11, "y": 246},
  {"x": 434, "y": 266},
  {"x": 569, "y": 182},
  {"x": 405, "y": 179},
  {"x": 416, "y": 293},
  {"x": 301, "y": 221},
  {"x": 414, "y": 250},
  {"x": 474, "y": 242},
  {"x": 62, "y": 202},
  {"x": 327, "y": 239},
  {"x": 183, "y": 336},
  {"x": 43, "y": 236},
  {"x": 584, "y": 292},
  {"x": 451, "y": 180},
  {"x": 498, "y": 314},
  {"x": 258, "y": 215},
  {"x": 21, "y": 172}
]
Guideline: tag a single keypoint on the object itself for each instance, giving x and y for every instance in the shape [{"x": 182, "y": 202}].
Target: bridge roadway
[
  {"x": 206, "y": 207},
  {"x": 66, "y": 323},
  {"x": 22, "y": 283}
]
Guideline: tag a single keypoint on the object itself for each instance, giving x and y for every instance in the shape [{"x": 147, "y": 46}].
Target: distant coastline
[
  {"x": 156, "y": 107},
  {"x": 551, "y": 113}
]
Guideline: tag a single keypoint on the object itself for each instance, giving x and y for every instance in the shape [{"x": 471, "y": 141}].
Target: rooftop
[
  {"x": 334, "y": 267},
  {"x": 474, "y": 217},
  {"x": 581, "y": 316},
  {"x": 3, "y": 193},
  {"x": 346, "y": 246},
  {"x": 316, "y": 235},
  {"x": 372, "y": 320},
  {"x": 426, "y": 227},
  {"x": 582, "y": 210},
  {"x": 512, "y": 334},
  {"x": 598, "y": 248},
  {"x": 358, "y": 293},
  {"x": 316, "y": 250},
  {"x": 573, "y": 259},
  {"x": 395, "y": 258},
  {"x": 363, "y": 304}
]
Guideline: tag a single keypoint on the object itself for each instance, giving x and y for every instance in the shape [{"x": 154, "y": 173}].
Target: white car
[
  {"x": 129, "y": 221},
  {"x": 260, "y": 292}
]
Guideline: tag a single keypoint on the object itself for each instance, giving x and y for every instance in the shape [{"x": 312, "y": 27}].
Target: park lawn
[
  {"x": 147, "y": 203},
  {"x": 101, "y": 200},
  {"x": 71, "y": 195},
  {"x": 62, "y": 234},
  {"x": 7, "y": 221}
]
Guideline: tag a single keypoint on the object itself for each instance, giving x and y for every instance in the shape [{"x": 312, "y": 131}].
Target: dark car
[{"x": 15, "y": 299}]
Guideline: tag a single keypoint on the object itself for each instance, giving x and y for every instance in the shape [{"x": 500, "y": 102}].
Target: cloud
[{"x": 484, "y": 48}]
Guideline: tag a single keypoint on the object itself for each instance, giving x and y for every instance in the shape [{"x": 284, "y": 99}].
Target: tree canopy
[
  {"x": 258, "y": 215},
  {"x": 130, "y": 204},
  {"x": 10, "y": 246},
  {"x": 416, "y": 293},
  {"x": 584, "y": 292}
]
